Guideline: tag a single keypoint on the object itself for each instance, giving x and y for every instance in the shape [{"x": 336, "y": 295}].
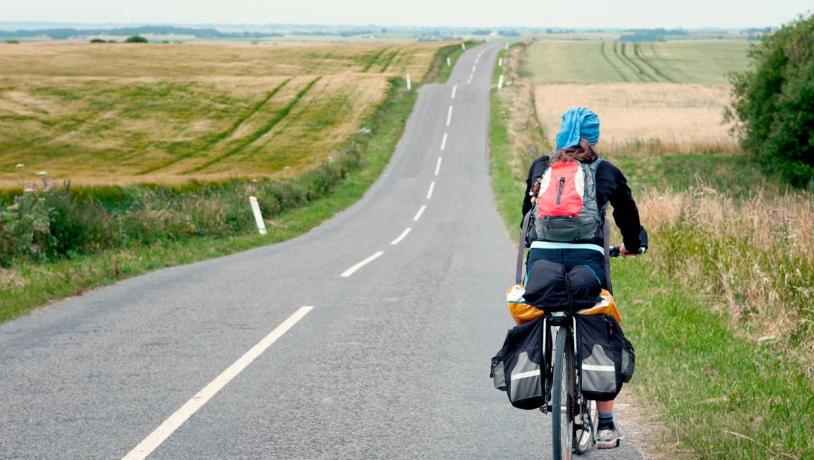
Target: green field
[
  {"x": 123, "y": 114},
  {"x": 691, "y": 61}
]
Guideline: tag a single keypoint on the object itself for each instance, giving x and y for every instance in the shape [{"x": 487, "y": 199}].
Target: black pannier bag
[
  {"x": 628, "y": 361},
  {"x": 605, "y": 357},
  {"x": 516, "y": 369},
  {"x": 551, "y": 287}
]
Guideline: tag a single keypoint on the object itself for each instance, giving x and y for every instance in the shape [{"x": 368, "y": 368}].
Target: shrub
[
  {"x": 773, "y": 102},
  {"x": 136, "y": 39},
  {"x": 97, "y": 40}
]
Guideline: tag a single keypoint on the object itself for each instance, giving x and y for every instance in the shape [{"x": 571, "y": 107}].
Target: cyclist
[{"x": 578, "y": 135}]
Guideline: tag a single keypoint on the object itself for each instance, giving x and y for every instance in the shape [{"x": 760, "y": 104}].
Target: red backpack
[{"x": 566, "y": 208}]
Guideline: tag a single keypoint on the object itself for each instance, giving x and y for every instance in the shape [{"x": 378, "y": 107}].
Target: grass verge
[
  {"x": 718, "y": 394},
  {"x": 28, "y": 284}
]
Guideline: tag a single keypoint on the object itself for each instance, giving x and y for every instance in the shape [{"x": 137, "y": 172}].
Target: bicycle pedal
[{"x": 545, "y": 409}]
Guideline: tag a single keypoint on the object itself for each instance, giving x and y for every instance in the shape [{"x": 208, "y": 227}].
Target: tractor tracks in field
[
  {"x": 373, "y": 59},
  {"x": 642, "y": 67},
  {"x": 639, "y": 70},
  {"x": 389, "y": 60},
  {"x": 223, "y": 135},
  {"x": 647, "y": 62},
  {"x": 260, "y": 132},
  {"x": 608, "y": 60}
]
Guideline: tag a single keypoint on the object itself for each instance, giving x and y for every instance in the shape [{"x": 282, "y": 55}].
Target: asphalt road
[{"x": 391, "y": 362}]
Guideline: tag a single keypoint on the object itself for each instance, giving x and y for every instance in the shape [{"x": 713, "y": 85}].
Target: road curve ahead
[{"x": 368, "y": 337}]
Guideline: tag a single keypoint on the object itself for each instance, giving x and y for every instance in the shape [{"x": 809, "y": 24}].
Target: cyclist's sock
[{"x": 605, "y": 421}]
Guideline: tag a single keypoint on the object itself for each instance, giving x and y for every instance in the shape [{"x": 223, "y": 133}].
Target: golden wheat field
[
  {"x": 645, "y": 117},
  {"x": 116, "y": 113}
]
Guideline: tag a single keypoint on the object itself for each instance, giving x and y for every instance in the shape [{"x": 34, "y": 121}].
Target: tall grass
[{"x": 754, "y": 257}]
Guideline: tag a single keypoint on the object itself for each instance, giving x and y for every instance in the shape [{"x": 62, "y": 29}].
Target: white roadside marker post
[
  {"x": 409, "y": 83},
  {"x": 463, "y": 46},
  {"x": 258, "y": 218},
  {"x": 500, "y": 62},
  {"x": 449, "y": 62},
  {"x": 500, "y": 82}
]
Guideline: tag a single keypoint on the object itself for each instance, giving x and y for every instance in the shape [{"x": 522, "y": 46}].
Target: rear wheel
[{"x": 562, "y": 397}]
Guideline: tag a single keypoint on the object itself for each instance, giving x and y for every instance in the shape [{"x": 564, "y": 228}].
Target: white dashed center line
[
  {"x": 419, "y": 213},
  {"x": 429, "y": 192},
  {"x": 154, "y": 439},
  {"x": 401, "y": 237},
  {"x": 361, "y": 264},
  {"x": 444, "y": 142},
  {"x": 438, "y": 165},
  {"x": 454, "y": 89},
  {"x": 449, "y": 115}
]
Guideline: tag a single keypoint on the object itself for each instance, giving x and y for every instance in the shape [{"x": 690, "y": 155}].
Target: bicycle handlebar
[{"x": 614, "y": 251}]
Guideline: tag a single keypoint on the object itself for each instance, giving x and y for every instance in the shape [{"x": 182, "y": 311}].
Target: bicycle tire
[
  {"x": 584, "y": 439},
  {"x": 562, "y": 393}
]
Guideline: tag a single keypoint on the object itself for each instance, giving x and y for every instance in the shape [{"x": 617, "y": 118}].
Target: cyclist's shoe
[{"x": 609, "y": 438}]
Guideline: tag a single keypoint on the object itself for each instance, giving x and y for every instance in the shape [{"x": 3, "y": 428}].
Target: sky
[{"x": 494, "y": 13}]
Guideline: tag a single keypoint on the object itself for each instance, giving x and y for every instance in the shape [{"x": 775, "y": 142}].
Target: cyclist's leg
[
  {"x": 604, "y": 407},
  {"x": 608, "y": 435}
]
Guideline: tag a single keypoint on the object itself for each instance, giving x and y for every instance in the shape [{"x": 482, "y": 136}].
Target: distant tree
[
  {"x": 773, "y": 103},
  {"x": 97, "y": 40},
  {"x": 13, "y": 42},
  {"x": 136, "y": 39}
]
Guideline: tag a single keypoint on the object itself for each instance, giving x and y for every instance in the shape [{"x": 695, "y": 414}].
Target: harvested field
[{"x": 122, "y": 114}]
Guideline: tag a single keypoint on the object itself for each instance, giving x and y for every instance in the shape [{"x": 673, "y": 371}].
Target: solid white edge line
[
  {"x": 429, "y": 192},
  {"x": 419, "y": 213},
  {"x": 438, "y": 165},
  {"x": 160, "y": 434},
  {"x": 361, "y": 264},
  {"x": 449, "y": 115},
  {"x": 454, "y": 89},
  {"x": 401, "y": 237},
  {"x": 444, "y": 142}
]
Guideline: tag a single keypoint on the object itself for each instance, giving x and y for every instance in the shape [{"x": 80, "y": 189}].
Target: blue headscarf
[{"x": 578, "y": 123}]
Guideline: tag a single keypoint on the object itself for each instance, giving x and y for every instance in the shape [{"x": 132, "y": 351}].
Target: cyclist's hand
[{"x": 624, "y": 252}]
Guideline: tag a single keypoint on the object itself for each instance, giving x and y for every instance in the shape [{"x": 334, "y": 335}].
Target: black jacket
[{"x": 611, "y": 186}]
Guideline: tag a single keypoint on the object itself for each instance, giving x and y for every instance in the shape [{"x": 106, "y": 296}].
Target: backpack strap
[{"x": 521, "y": 245}]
